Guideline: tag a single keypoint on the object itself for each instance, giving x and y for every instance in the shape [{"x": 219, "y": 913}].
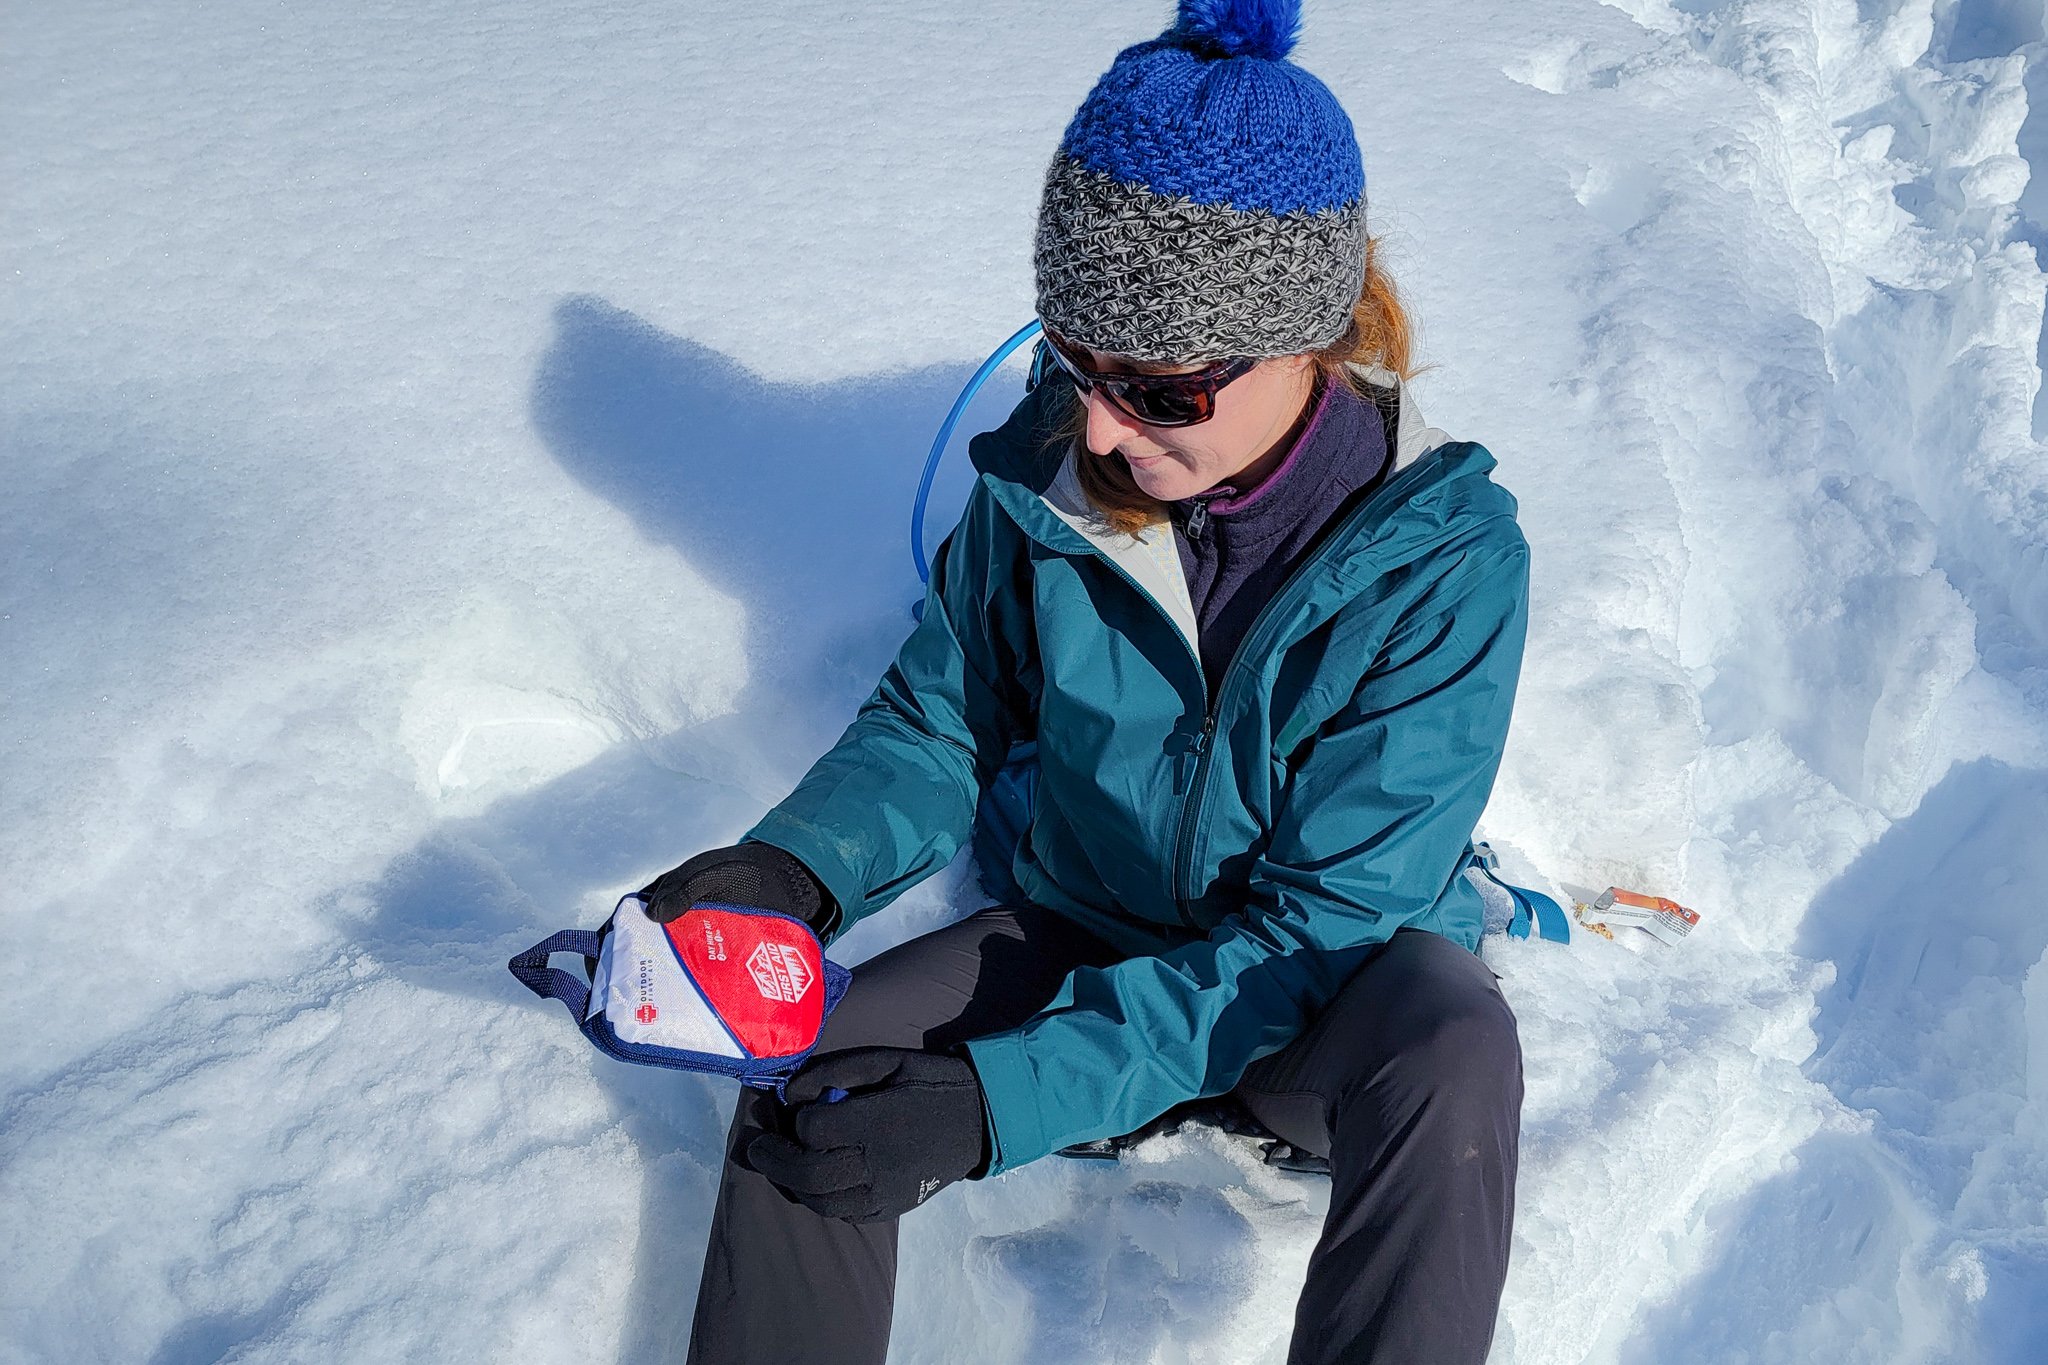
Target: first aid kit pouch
[{"x": 727, "y": 989}]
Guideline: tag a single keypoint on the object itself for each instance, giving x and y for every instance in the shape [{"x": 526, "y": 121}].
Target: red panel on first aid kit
[{"x": 763, "y": 974}]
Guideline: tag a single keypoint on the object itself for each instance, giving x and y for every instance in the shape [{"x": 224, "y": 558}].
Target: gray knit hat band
[{"x": 1130, "y": 272}]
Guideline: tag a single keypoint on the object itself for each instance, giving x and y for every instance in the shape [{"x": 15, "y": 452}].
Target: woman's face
[{"x": 1255, "y": 415}]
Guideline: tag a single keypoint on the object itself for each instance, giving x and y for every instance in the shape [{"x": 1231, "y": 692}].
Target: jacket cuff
[{"x": 1008, "y": 1089}]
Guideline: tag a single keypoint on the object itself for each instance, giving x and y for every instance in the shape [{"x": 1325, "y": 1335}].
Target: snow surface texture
[{"x": 456, "y": 464}]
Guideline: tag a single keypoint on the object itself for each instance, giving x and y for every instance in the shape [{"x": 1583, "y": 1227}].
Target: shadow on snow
[{"x": 794, "y": 501}]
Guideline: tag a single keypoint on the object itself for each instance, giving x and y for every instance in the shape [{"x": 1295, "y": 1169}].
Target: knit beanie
[{"x": 1207, "y": 200}]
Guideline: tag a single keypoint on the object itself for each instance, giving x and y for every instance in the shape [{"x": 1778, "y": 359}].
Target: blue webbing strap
[
  {"x": 552, "y": 983},
  {"x": 1548, "y": 915},
  {"x": 1533, "y": 909},
  {"x": 931, "y": 461}
]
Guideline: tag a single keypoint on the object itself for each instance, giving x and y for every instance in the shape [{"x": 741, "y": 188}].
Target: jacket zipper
[
  {"x": 1190, "y": 811},
  {"x": 1200, "y": 745}
]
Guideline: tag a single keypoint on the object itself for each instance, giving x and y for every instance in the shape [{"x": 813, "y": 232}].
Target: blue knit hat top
[
  {"x": 1244, "y": 129},
  {"x": 1208, "y": 198}
]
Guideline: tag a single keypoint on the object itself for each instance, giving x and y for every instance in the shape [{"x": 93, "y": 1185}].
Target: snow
[{"x": 458, "y": 460}]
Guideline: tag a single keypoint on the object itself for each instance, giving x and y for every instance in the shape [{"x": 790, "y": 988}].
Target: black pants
[{"x": 1410, "y": 1082}]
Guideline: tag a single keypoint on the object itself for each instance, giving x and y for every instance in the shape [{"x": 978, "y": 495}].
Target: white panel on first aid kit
[{"x": 644, "y": 994}]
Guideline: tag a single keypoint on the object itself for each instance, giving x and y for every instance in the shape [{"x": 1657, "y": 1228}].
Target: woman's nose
[{"x": 1107, "y": 423}]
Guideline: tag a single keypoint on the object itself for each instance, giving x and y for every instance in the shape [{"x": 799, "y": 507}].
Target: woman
[{"x": 1264, "y": 628}]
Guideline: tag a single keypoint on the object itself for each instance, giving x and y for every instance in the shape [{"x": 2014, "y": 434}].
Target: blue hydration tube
[{"x": 931, "y": 461}]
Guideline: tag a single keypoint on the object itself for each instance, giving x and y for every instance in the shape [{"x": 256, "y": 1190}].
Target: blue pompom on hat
[{"x": 1208, "y": 198}]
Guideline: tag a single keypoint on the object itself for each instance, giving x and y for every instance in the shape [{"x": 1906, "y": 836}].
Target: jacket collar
[{"x": 1149, "y": 558}]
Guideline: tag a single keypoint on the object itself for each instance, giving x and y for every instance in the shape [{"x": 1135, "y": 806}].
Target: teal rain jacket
[{"x": 1249, "y": 856}]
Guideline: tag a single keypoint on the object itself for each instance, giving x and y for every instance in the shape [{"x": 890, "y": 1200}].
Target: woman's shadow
[{"x": 795, "y": 502}]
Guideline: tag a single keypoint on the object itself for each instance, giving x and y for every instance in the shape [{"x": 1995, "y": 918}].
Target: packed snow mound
[{"x": 459, "y": 462}]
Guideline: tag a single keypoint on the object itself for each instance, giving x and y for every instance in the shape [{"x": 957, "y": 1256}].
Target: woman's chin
[{"x": 1162, "y": 477}]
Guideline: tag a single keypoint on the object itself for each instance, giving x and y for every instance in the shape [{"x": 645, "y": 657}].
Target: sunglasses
[{"x": 1157, "y": 400}]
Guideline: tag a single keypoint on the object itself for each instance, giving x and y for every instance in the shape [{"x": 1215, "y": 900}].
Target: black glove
[
  {"x": 754, "y": 874},
  {"x": 910, "y": 1125}
]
